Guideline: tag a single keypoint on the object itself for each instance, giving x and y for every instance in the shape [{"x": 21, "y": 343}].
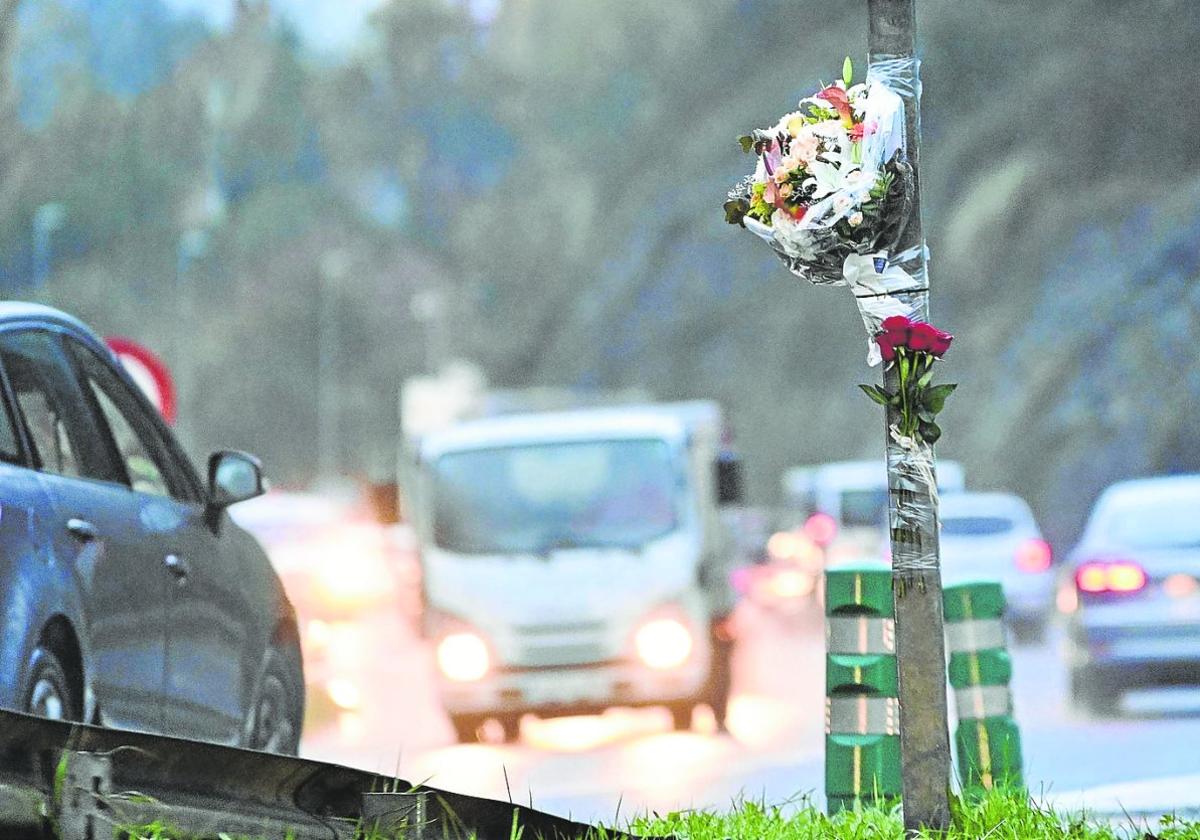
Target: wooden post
[{"x": 920, "y": 644}]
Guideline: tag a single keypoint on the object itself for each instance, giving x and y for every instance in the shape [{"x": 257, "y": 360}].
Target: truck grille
[{"x": 584, "y": 653}]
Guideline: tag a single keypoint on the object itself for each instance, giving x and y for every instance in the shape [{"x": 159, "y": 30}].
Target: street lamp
[
  {"x": 47, "y": 218},
  {"x": 192, "y": 245},
  {"x": 333, "y": 268},
  {"x": 428, "y": 306}
]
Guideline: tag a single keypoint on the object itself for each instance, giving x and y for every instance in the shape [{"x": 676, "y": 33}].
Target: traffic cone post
[
  {"x": 987, "y": 740},
  {"x": 862, "y": 714}
]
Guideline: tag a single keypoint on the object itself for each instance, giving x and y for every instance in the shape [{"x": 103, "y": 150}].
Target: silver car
[
  {"x": 994, "y": 536},
  {"x": 1135, "y": 610}
]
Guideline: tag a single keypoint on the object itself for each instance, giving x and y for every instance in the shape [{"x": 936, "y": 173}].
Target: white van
[{"x": 573, "y": 561}]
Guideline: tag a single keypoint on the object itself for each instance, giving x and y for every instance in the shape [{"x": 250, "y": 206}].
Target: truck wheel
[
  {"x": 466, "y": 728},
  {"x": 1100, "y": 697},
  {"x": 681, "y": 716}
]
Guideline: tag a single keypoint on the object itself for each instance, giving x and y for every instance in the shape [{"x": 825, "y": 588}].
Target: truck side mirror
[{"x": 729, "y": 481}]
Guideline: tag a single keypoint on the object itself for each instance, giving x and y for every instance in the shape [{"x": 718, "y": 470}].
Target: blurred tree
[{"x": 557, "y": 169}]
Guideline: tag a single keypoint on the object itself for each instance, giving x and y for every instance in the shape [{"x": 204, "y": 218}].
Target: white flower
[
  {"x": 842, "y": 203},
  {"x": 858, "y": 100},
  {"x": 856, "y": 218},
  {"x": 826, "y": 178}
]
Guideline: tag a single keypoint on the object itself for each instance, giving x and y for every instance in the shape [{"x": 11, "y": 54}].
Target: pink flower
[{"x": 837, "y": 97}]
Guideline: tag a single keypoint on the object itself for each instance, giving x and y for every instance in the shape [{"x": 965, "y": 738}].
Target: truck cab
[{"x": 572, "y": 561}]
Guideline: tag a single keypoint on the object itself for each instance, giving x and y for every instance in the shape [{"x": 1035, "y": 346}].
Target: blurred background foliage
[{"x": 557, "y": 171}]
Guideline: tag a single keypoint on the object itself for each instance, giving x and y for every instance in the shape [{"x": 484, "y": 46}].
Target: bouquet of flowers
[{"x": 831, "y": 179}]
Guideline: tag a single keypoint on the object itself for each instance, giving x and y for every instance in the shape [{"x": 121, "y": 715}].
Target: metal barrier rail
[{"x": 114, "y": 777}]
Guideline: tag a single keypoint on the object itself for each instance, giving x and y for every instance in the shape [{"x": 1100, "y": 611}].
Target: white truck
[{"x": 574, "y": 561}]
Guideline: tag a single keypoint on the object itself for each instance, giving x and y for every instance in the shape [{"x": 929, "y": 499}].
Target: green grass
[{"x": 998, "y": 816}]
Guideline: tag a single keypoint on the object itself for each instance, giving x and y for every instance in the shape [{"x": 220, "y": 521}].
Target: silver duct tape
[
  {"x": 971, "y": 636},
  {"x": 983, "y": 701},
  {"x": 860, "y": 634},
  {"x": 914, "y": 509},
  {"x": 862, "y": 715}
]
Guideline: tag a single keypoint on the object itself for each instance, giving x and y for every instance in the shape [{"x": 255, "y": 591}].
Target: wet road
[{"x": 630, "y": 761}]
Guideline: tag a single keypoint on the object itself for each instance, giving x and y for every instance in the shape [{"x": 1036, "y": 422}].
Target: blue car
[
  {"x": 1135, "y": 603},
  {"x": 130, "y": 598}
]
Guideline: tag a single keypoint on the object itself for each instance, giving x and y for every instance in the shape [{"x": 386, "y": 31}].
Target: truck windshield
[{"x": 545, "y": 497}]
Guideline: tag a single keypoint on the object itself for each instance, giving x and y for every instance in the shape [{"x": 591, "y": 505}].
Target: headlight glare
[
  {"x": 463, "y": 657},
  {"x": 663, "y": 643}
]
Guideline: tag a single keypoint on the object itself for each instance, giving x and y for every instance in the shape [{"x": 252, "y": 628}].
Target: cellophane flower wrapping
[{"x": 831, "y": 193}]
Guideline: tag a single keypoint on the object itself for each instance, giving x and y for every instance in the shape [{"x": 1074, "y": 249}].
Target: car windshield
[
  {"x": 1167, "y": 523},
  {"x": 975, "y": 526},
  {"x": 864, "y": 508},
  {"x": 539, "y": 498}
]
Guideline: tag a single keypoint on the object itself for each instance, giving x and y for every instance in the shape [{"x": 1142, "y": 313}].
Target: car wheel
[
  {"x": 466, "y": 728},
  {"x": 1030, "y": 631},
  {"x": 1090, "y": 691},
  {"x": 278, "y": 711},
  {"x": 51, "y": 694}
]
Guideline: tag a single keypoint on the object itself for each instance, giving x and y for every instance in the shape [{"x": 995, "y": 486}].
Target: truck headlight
[
  {"x": 663, "y": 643},
  {"x": 463, "y": 657}
]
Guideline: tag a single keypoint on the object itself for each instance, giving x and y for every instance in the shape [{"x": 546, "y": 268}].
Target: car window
[
  {"x": 864, "y": 508},
  {"x": 976, "y": 526},
  {"x": 1157, "y": 523},
  {"x": 64, "y": 438},
  {"x": 147, "y": 463},
  {"x": 10, "y": 448}
]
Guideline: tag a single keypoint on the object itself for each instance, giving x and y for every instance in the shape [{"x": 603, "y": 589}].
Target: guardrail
[{"x": 77, "y": 782}]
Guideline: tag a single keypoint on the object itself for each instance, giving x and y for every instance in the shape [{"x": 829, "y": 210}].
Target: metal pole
[
  {"x": 191, "y": 246},
  {"x": 332, "y": 269},
  {"x": 920, "y": 643},
  {"x": 46, "y": 219}
]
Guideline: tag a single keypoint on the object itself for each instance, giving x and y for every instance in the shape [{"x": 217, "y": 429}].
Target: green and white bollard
[
  {"x": 987, "y": 739},
  {"x": 862, "y": 714}
]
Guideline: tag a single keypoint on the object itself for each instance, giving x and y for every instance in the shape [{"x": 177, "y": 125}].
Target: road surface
[{"x": 606, "y": 767}]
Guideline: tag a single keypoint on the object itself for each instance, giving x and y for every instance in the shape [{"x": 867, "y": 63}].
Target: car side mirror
[
  {"x": 233, "y": 477},
  {"x": 729, "y": 481}
]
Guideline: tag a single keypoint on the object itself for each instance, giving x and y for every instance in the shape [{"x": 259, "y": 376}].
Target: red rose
[
  {"x": 897, "y": 329},
  {"x": 856, "y": 133},
  {"x": 941, "y": 343},
  {"x": 886, "y": 348},
  {"x": 922, "y": 336}
]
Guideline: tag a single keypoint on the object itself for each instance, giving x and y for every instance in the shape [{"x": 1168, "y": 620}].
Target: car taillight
[
  {"x": 821, "y": 528},
  {"x": 1034, "y": 556},
  {"x": 1117, "y": 576}
]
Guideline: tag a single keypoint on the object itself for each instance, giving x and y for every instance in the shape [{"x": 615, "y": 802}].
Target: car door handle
[
  {"x": 177, "y": 566},
  {"x": 82, "y": 530}
]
